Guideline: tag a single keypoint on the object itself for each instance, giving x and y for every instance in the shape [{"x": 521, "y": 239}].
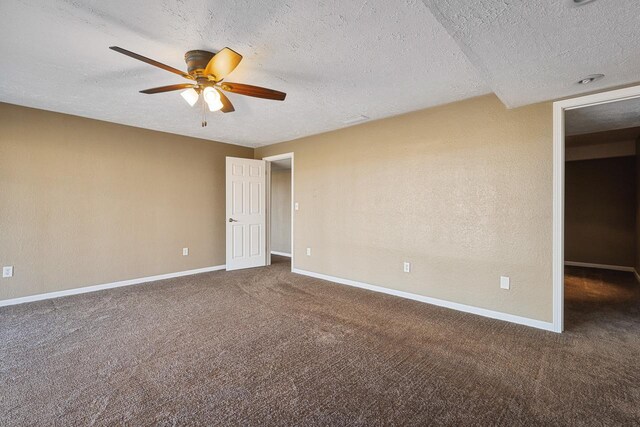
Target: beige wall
[
  {"x": 600, "y": 211},
  {"x": 84, "y": 202},
  {"x": 462, "y": 191},
  {"x": 281, "y": 211}
]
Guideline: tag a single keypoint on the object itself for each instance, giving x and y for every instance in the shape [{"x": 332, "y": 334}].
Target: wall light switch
[
  {"x": 505, "y": 282},
  {"x": 7, "y": 271},
  {"x": 296, "y": 206},
  {"x": 185, "y": 251},
  {"x": 407, "y": 267},
  {"x": 308, "y": 251}
]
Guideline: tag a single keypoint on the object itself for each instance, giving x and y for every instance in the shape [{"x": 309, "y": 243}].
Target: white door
[{"x": 246, "y": 213}]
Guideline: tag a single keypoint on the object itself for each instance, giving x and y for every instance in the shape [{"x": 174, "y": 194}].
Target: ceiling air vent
[{"x": 355, "y": 119}]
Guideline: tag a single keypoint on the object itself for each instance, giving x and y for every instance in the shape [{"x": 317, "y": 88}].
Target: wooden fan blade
[
  {"x": 222, "y": 64},
  {"x": 227, "y": 106},
  {"x": 255, "y": 91},
  {"x": 151, "y": 62},
  {"x": 168, "y": 88}
]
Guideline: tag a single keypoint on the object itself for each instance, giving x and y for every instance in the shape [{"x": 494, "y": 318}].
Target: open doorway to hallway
[
  {"x": 601, "y": 224},
  {"x": 280, "y": 207}
]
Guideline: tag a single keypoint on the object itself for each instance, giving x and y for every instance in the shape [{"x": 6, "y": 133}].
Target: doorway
[
  {"x": 280, "y": 206},
  {"x": 585, "y": 130}
]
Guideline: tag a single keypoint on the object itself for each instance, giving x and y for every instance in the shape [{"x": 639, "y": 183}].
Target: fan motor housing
[{"x": 197, "y": 60}]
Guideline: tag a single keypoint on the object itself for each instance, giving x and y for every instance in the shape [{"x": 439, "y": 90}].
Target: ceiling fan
[{"x": 207, "y": 70}]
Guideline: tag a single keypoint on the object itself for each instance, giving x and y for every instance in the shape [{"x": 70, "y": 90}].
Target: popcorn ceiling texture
[
  {"x": 603, "y": 117},
  {"x": 532, "y": 51},
  {"x": 335, "y": 59}
]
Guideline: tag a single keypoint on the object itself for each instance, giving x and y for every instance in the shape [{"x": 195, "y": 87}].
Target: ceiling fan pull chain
[{"x": 204, "y": 114}]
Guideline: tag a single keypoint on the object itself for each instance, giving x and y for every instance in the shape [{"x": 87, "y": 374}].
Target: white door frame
[
  {"x": 559, "y": 108},
  {"x": 270, "y": 159}
]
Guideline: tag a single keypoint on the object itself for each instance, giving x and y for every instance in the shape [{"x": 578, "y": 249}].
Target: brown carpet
[{"x": 267, "y": 347}]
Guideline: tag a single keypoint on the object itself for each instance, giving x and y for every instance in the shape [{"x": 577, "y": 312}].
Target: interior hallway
[
  {"x": 601, "y": 301},
  {"x": 265, "y": 346}
]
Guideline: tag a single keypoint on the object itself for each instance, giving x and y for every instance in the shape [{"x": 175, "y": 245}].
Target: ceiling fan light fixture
[
  {"x": 212, "y": 97},
  {"x": 206, "y": 70},
  {"x": 210, "y": 94},
  {"x": 191, "y": 96},
  {"x": 215, "y": 105}
]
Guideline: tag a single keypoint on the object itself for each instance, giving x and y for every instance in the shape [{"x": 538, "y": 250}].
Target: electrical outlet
[
  {"x": 185, "y": 251},
  {"x": 407, "y": 267},
  {"x": 296, "y": 206},
  {"x": 505, "y": 282},
  {"x": 308, "y": 251},
  {"x": 7, "y": 271}
]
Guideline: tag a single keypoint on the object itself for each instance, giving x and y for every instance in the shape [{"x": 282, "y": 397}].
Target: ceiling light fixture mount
[{"x": 590, "y": 79}]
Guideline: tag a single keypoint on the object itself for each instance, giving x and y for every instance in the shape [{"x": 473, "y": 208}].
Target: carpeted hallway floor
[{"x": 268, "y": 347}]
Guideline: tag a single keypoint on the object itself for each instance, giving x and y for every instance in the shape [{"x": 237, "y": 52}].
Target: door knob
[{"x": 233, "y": 220}]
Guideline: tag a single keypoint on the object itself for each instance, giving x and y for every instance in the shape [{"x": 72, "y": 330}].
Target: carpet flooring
[{"x": 268, "y": 347}]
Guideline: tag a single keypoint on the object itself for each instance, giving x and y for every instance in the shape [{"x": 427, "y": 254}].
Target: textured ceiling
[
  {"x": 603, "y": 117},
  {"x": 335, "y": 59},
  {"x": 536, "y": 50}
]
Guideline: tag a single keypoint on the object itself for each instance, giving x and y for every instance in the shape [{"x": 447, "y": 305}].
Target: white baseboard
[
  {"x": 547, "y": 326},
  {"x": 280, "y": 253},
  {"x": 94, "y": 288},
  {"x": 602, "y": 266}
]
